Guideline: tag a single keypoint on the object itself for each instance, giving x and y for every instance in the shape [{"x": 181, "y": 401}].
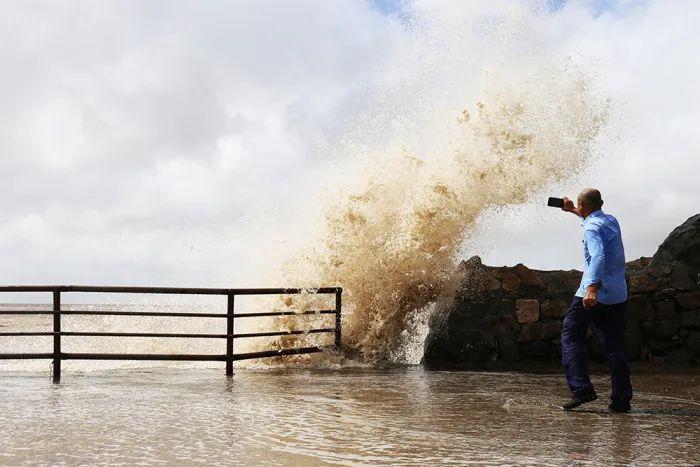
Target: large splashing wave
[
  {"x": 394, "y": 225},
  {"x": 468, "y": 114}
]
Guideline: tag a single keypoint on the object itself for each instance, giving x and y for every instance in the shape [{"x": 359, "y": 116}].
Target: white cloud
[
  {"x": 642, "y": 54},
  {"x": 176, "y": 142},
  {"x": 134, "y": 131}
]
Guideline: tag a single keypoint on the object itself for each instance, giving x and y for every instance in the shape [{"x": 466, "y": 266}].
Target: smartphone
[{"x": 555, "y": 202}]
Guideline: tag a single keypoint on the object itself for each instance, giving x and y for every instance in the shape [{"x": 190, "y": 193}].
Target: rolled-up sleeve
[{"x": 594, "y": 242}]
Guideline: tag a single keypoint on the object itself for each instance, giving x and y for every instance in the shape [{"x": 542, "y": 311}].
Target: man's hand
[
  {"x": 569, "y": 206},
  {"x": 590, "y": 299}
]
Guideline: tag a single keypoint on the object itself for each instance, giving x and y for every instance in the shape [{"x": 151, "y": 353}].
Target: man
[{"x": 601, "y": 299}]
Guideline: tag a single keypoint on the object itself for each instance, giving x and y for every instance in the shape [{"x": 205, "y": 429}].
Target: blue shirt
[{"x": 605, "y": 258}]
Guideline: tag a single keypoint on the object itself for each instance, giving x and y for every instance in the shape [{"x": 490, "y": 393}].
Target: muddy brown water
[{"x": 401, "y": 416}]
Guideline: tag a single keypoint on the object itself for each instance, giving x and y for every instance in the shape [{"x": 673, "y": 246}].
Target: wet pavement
[{"x": 405, "y": 416}]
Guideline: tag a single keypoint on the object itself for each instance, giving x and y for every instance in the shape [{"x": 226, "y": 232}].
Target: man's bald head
[{"x": 590, "y": 198}]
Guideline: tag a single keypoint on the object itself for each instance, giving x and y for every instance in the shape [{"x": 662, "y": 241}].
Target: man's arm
[
  {"x": 594, "y": 242},
  {"x": 569, "y": 206}
]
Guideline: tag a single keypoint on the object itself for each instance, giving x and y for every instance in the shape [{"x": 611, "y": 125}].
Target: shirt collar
[{"x": 596, "y": 213}]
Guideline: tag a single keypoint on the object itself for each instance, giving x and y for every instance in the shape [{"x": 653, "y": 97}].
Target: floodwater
[{"x": 401, "y": 416}]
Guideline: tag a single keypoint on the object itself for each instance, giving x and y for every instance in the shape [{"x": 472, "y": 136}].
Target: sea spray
[
  {"x": 393, "y": 244},
  {"x": 472, "y": 110}
]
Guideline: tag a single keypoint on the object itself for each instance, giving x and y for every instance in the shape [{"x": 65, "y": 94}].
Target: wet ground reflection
[{"x": 402, "y": 416}]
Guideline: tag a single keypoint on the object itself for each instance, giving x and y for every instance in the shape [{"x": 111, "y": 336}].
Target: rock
[
  {"x": 554, "y": 308},
  {"x": 633, "y": 341},
  {"x": 679, "y": 356},
  {"x": 657, "y": 360},
  {"x": 528, "y": 277},
  {"x": 665, "y": 309},
  {"x": 508, "y": 351},
  {"x": 692, "y": 343},
  {"x": 472, "y": 263},
  {"x": 501, "y": 307},
  {"x": 663, "y": 329},
  {"x": 680, "y": 277},
  {"x": 493, "y": 285},
  {"x": 551, "y": 330},
  {"x": 472, "y": 345},
  {"x": 512, "y": 322},
  {"x": 660, "y": 346},
  {"x": 573, "y": 280},
  {"x": 509, "y": 281},
  {"x": 645, "y": 353},
  {"x": 690, "y": 319},
  {"x": 681, "y": 246},
  {"x": 643, "y": 282},
  {"x": 507, "y": 347},
  {"x": 640, "y": 263},
  {"x": 660, "y": 272},
  {"x": 539, "y": 351},
  {"x": 689, "y": 301},
  {"x": 530, "y": 332},
  {"x": 515, "y": 314},
  {"x": 639, "y": 308},
  {"x": 527, "y": 310}
]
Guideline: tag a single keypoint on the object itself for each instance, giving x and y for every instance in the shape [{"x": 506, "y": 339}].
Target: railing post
[
  {"x": 229, "y": 334},
  {"x": 338, "y": 304},
  {"x": 57, "y": 336}
]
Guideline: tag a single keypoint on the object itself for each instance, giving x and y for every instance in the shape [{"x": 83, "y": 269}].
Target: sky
[{"x": 183, "y": 142}]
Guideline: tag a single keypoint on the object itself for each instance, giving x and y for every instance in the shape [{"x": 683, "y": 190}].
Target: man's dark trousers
[{"x": 609, "y": 321}]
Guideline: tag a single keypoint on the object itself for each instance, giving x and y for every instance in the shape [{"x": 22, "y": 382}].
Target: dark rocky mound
[{"x": 509, "y": 316}]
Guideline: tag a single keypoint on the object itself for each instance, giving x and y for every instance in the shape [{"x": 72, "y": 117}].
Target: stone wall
[{"x": 513, "y": 315}]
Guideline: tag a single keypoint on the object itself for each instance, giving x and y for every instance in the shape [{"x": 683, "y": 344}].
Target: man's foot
[
  {"x": 578, "y": 400},
  {"x": 619, "y": 407}
]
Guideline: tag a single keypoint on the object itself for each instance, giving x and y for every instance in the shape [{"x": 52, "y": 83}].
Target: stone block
[
  {"x": 530, "y": 332},
  {"x": 633, "y": 341},
  {"x": 680, "y": 355},
  {"x": 664, "y": 329},
  {"x": 692, "y": 343},
  {"x": 572, "y": 280},
  {"x": 690, "y": 319},
  {"x": 640, "y": 263},
  {"x": 493, "y": 285},
  {"x": 472, "y": 263},
  {"x": 507, "y": 348},
  {"x": 689, "y": 301},
  {"x": 539, "y": 351},
  {"x": 510, "y": 282},
  {"x": 554, "y": 308},
  {"x": 660, "y": 346},
  {"x": 551, "y": 330},
  {"x": 657, "y": 360},
  {"x": 680, "y": 277},
  {"x": 528, "y": 277},
  {"x": 472, "y": 345},
  {"x": 665, "y": 309},
  {"x": 512, "y": 322},
  {"x": 639, "y": 308},
  {"x": 642, "y": 282},
  {"x": 501, "y": 307},
  {"x": 527, "y": 310}
]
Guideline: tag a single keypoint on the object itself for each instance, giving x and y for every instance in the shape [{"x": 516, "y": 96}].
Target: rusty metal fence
[{"x": 230, "y": 317}]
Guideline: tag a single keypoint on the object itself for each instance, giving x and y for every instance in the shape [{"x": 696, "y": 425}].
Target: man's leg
[
  {"x": 573, "y": 348},
  {"x": 610, "y": 322}
]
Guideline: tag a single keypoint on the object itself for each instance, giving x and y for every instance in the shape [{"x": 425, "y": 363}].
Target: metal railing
[{"x": 229, "y": 357}]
